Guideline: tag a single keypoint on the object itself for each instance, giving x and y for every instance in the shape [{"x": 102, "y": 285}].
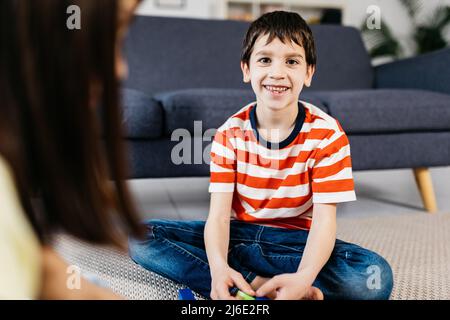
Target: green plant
[{"x": 427, "y": 35}]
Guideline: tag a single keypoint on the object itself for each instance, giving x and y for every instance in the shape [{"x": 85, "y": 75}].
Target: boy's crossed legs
[{"x": 176, "y": 250}]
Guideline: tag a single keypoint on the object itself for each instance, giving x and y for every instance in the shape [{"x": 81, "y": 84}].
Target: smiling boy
[
  {"x": 278, "y": 168},
  {"x": 280, "y": 165}
]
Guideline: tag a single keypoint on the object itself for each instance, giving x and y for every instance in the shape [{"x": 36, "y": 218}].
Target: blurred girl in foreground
[{"x": 62, "y": 163}]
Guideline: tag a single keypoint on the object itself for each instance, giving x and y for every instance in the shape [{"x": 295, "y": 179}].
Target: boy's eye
[
  {"x": 292, "y": 62},
  {"x": 264, "y": 60}
]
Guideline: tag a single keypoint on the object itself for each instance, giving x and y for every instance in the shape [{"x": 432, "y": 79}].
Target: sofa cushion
[
  {"x": 166, "y": 53},
  {"x": 142, "y": 116},
  {"x": 211, "y": 106},
  {"x": 381, "y": 111},
  {"x": 342, "y": 59}
]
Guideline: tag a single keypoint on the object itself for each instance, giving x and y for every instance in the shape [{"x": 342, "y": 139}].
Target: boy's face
[{"x": 277, "y": 72}]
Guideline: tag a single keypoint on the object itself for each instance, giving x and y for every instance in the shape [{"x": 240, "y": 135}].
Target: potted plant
[{"x": 427, "y": 35}]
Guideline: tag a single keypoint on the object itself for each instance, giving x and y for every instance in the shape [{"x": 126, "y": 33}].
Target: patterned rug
[{"x": 416, "y": 245}]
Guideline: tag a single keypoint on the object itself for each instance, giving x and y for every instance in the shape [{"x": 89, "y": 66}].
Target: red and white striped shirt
[{"x": 278, "y": 186}]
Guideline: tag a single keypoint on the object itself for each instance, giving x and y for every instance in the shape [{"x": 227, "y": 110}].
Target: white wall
[{"x": 193, "y": 9}]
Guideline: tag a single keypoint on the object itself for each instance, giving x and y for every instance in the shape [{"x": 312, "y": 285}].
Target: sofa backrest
[{"x": 167, "y": 54}]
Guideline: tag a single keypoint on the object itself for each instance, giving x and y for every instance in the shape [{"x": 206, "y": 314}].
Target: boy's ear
[
  {"x": 309, "y": 75},
  {"x": 245, "y": 72}
]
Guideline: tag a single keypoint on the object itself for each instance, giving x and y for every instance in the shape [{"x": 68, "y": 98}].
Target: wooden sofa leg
[{"x": 425, "y": 185}]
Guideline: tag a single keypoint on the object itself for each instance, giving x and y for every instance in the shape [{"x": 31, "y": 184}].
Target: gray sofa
[{"x": 396, "y": 115}]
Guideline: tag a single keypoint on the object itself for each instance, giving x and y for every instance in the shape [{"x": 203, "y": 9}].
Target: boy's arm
[
  {"x": 320, "y": 243},
  {"x": 318, "y": 249},
  {"x": 217, "y": 236},
  {"x": 217, "y": 229}
]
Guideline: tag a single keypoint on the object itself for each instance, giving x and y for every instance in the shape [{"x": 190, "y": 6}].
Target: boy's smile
[{"x": 277, "y": 72}]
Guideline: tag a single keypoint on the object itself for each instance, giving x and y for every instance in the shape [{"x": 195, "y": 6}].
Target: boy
[{"x": 282, "y": 194}]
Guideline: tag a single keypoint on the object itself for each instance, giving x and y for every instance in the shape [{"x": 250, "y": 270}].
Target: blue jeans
[{"x": 176, "y": 250}]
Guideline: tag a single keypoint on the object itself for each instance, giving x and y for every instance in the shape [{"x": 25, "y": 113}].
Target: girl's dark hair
[
  {"x": 66, "y": 155},
  {"x": 286, "y": 26}
]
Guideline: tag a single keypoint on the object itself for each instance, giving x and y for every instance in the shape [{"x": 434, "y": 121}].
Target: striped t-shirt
[{"x": 277, "y": 184}]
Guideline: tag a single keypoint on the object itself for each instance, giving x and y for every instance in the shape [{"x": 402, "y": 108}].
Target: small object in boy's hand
[
  {"x": 185, "y": 294},
  {"x": 243, "y": 296}
]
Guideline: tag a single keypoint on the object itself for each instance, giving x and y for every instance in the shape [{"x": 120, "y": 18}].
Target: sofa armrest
[
  {"x": 142, "y": 115},
  {"x": 429, "y": 71}
]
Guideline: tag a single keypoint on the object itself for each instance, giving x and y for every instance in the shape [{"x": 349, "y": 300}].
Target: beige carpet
[{"x": 417, "y": 246}]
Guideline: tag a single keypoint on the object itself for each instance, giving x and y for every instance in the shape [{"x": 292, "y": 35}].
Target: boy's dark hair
[{"x": 286, "y": 26}]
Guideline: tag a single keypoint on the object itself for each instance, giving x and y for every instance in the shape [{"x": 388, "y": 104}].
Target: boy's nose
[
  {"x": 277, "y": 76},
  {"x": 277, "y": 72}
]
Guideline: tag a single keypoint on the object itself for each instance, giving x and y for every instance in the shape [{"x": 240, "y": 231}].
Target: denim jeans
[{"x": 176, "y": 250}]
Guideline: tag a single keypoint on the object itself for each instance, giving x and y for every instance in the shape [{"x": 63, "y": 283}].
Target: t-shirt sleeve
[
  {"x": 332, "y": 178},
  {"x": 223, "y": 164}
]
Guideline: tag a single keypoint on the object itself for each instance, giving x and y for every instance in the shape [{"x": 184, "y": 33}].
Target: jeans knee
[
  {"x": 139, "y": 249},
  {"x": 380, "y": 281},
  {"x": 374, "y": 282},
  {"x": 359, "y": 274}
]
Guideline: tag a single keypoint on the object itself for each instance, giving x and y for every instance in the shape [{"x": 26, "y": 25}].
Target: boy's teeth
[{"x": 278, "y": 89}]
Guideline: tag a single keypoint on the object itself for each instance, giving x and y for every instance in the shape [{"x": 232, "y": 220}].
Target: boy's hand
[
  {"x": 290, "y": 286},
  {"x": 225, "y": 278}
]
